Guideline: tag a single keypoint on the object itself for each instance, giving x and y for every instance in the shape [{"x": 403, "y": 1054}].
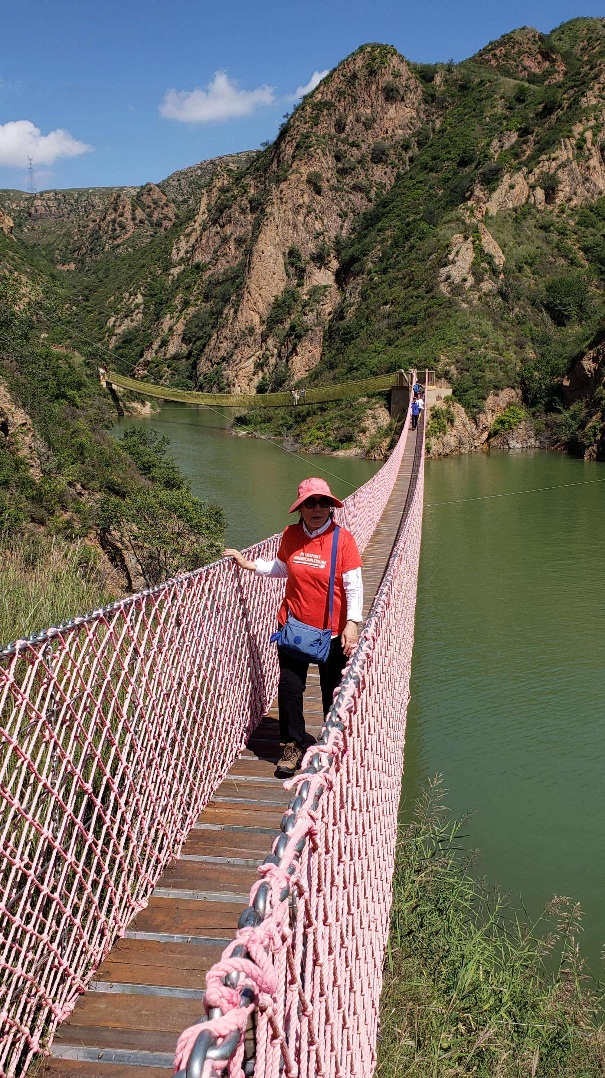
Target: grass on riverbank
[
  {"x": 45, "y": 582},
  {"x": 471, "y": 986}
]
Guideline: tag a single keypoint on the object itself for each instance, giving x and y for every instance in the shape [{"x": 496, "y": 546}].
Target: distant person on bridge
[
  {"x": 416, "y": 389},
  {"x": 417, "y": 407},
  {"x": 304, "y": 558}
]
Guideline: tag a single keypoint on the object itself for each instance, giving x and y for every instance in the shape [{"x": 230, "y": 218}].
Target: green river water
[{"x": 509, "y": 651}]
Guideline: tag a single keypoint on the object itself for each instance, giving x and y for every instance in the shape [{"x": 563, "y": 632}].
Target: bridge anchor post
[{"x": 399, "y": 396}]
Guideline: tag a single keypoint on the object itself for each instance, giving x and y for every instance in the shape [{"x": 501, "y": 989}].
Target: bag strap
[{"x": 335, "y": 535}]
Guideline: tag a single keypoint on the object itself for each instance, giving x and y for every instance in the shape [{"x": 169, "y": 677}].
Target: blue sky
[{"x": 107, "y": 93}]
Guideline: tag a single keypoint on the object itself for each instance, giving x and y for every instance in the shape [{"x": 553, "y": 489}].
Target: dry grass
[{"x": 45, "y": 582}]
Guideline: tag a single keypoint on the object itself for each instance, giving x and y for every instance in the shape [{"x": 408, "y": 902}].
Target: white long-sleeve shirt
[{"x": 352, "y": 581}]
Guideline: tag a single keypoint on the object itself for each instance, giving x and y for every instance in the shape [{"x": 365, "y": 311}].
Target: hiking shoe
[{"x": 290, "y": 761}]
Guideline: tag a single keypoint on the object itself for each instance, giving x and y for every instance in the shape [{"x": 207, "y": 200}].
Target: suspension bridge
[
  {"x": 396, "y": 384},
  {"x": 139, "y": 746}
]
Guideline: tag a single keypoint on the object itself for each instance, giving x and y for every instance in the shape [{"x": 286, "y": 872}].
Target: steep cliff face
[
  {"x": 59, "y": 221},
  {"x": 129, "y": 217},
  {"x": 343, "y": 146},
  {"x": 338, "y": 152},
  {"x": 584, "y": 392},
  {"x": 6, "y": 223}
]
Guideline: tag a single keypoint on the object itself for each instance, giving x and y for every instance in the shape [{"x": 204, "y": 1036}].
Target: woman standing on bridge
[{"x": 304, "y": 559}]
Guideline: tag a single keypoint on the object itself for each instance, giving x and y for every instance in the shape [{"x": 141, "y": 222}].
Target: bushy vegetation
[
  {"x": 282, "y": 307},
  {"x": 442, "y": 417},
  {"x": 472, "y": 986},
  {"x": 317, "y": 427},
  {"x": 67, "y": 476},
  {"x": 508, "y": 420},
  {"x": 163, "y": 524}
]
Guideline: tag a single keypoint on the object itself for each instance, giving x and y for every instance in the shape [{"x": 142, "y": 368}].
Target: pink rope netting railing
[
  {"x": 116, "y": 730},
  {"x": 297, "y": 992}
]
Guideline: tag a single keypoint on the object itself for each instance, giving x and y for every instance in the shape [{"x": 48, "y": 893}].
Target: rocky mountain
[
  {"x": 446, "y": 215},
  {"x": 74, "y": 227}
]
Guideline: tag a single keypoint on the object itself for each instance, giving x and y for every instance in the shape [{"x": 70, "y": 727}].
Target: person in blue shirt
[
  {"x": 415, "y": 412},
  {"x": 416, "y": 389}
]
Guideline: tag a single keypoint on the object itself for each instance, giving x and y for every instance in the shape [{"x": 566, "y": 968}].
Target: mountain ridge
[{"x": 444, "y": 215}]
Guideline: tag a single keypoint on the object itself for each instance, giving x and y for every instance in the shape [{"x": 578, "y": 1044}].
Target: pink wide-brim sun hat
[{"x": 309, "y": 487}]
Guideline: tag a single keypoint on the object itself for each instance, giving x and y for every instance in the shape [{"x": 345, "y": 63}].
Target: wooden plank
[
  {"x": 226, "y": 813},
  {"x": 99, "y": 1034},
  {"x": 204, "y": 876},
  {"x": 227, "y": 843},
  {"x": 176, "y": 965},
  {"x": 251, "y": 791},
  {"x": 73, "y": 1068},
  {"x": 188, "y": 917},
  {"x": 156, "y": 1016}
]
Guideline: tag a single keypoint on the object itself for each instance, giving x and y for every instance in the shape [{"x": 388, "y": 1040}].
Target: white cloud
[
  {"x": 314, "y": 81},
  {"x": 20, "y": 139},
  {"x": 221, "y": 100}
]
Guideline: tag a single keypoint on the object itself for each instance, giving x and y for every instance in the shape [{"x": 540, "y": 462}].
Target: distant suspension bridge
[{"x": 397, "y": 382}]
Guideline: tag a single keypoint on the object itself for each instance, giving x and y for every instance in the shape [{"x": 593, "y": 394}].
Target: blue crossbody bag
[{"x": 305, "y": 641}]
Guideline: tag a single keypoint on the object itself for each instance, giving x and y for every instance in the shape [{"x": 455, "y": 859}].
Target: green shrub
[
  {"x": 380, "y": 152},
  {"x": 567, "y": 297},
  {"x": 551, "y": 101},
  {"x": 282, "y": 307},
  {"x": 426, "y": 72},
  {"x": 423, "y": 135},
  {"x": 510, "y": 418},
  {"x": 568, "y": 428},
  {"x": 322, "y": 254},
  {"x": 295, "y": 264},
  {"x": 549, "y": 183},
  {"x": 315, "y": 181},
  {"x": 491, "y": 174},
  {"x": 392, "y": 91},
  {"x": 170, "y": 531},
  {"x": 149, "y": 450},
  {"x": 440, "y": 420}
]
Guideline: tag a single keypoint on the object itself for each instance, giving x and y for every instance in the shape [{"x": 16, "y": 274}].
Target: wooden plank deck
[{"x": 150, "y": 986}]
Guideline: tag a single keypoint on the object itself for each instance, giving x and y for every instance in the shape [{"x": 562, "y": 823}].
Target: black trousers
[{"x": 292, "y": 684}]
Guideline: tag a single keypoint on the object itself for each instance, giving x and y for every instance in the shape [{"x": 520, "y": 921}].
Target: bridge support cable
[
  {"x": 298, "y": 989},
  {"x": 117, "y": 729},
  {"x": 298, "y": 398}
]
